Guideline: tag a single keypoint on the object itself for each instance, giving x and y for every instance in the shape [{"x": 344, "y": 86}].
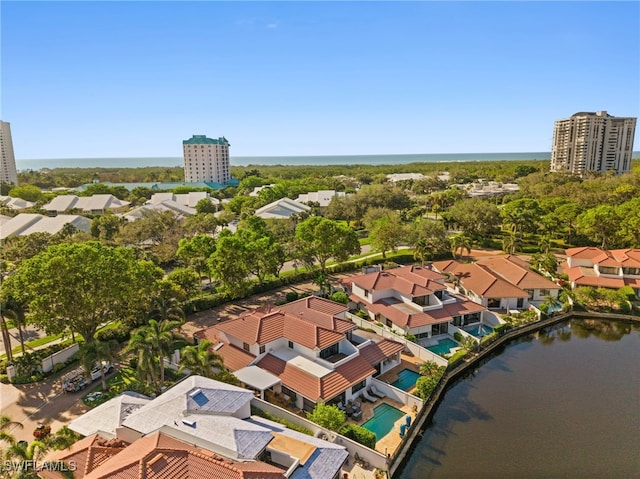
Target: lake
[{"x": 564, "y": 402}]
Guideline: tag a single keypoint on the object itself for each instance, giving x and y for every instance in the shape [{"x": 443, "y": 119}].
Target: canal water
[{"x": 562, "y": 403}]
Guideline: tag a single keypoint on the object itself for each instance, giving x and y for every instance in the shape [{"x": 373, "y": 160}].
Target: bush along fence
[
  {"x": 468, "y": 361},
  {"x": 34, "y": 366}
]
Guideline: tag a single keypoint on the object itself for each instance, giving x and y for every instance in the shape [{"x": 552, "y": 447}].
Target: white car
[{"x": 95, "y": 371}]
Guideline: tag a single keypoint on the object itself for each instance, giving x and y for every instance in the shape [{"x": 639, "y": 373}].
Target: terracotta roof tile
[
  {"x": 377, "y": 352},
  {"x": 234, "y": 358},
  {"x": 88, "y": 453},
  {"x": 480, "y": 280},
  {"x": 517, "y": 272},
  {"x": 160, "y": 456},
  {"x": 409, "y": 280}
]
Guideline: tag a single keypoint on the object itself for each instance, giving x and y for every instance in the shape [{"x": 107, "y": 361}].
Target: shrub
[
  {"x": 340, "y": 297},
  {"x": 457, "y": 357},
  {"x": 502, "y": 327},
  {"x": 291, "y": 296},
  {"x": 359, "y": 434},
  {"x": 4, "y": 379},
  {"x": 457, "y": 336},
  {"x": 362, "y": 314},
  {"x": 133, "y": 362},
  {"x": 489, "y": 338},
  {"x": 425, "y": 386},
  {"x": 328, "y": 416}
]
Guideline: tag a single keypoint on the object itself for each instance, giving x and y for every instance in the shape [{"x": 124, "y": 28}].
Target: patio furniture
[
  {"x": 357, "y": 415},
  {"x": 375, "y": 392},
  {"x": 340, "y": 406},
  {"x": 366, "y": 396}
]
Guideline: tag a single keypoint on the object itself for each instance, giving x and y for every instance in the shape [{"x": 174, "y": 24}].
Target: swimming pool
[
  {"x": 406, "y": 379},
  {"x": 478, "y": 329},
  {"x": 384, "y": 417},
  {"x": 443, "y": 347}
]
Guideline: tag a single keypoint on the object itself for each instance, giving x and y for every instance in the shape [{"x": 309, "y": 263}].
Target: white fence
[
  {"x": 415, "y": 349},
  {"x": 397, "y": 394},
  {"x": 59, "y": 357},
  {"x": 374, "y": 458}
]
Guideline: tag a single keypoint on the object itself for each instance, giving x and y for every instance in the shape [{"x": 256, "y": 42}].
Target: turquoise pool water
[
  {"x": 406, "y": 379},
  {"x": 478, "y": 329},
  {"x": 384, "y": 417},
  {"x": 443, "y": 347}
]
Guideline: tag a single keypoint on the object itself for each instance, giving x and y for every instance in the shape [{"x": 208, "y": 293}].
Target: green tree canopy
[
  {"x": 328, "y": 416},
  {"x": 320, "y": 239},
  {"x": 81, "y": 286}
]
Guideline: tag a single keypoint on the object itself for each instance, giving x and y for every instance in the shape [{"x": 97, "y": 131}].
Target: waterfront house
[
  {"x": 589, "y": 266},
  {"x": 303, "y": 351},
  {"x": 412, "y": 300},
  {"x": 502, "y": 282}
]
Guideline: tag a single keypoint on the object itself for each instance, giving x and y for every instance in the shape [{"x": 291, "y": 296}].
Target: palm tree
[
  {"x": 201, "y": 360},
  {"x": 96, "y": 352},
  {"x": 25, "y": 453},
  {"x": 16, "y": 310},
  {"x": 153, "y": 343},
  {"x": 460, "y": 241},
  {"x": 6, "y": 422}
]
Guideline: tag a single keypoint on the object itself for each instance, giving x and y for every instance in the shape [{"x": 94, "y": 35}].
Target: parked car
[{"x": 77, "y": 380}]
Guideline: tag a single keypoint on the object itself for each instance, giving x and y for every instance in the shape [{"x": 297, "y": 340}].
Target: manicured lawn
[{"x": 120, "y": 381}]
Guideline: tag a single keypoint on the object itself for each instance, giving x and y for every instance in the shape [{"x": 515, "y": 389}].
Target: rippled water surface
[{"x": 561, "y": 404}]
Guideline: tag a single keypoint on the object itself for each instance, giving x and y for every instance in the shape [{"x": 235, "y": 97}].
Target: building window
[
  {"x": 290, "y": 344},
  {"x": 357, "y": 387},
  {"x": 262, "y": 349},
  {"x": 520, "y": 303},
  {"x": 545, "y": 292},
  {"x": 245, "y": 346},
  {"x": 330, "y": 351}
]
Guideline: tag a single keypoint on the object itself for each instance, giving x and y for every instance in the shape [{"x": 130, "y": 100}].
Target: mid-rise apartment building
[
  {"x": 8, "y": 172},
  {"x": 593, "y": 141},
  {"x": 206, "y": 160}
]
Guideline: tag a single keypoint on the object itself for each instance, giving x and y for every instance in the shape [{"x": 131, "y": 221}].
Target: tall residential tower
[
  {"x": 206, "y": 160},
  {"x": 8, "y": 172},
  {"x": 593, "y": 141}
]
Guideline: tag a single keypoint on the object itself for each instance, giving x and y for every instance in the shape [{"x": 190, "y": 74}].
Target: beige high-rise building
[
  {"x": 206, "y": 160},
  {"x": 8, "y": 172},
  {"x": 593, "y": 141}
]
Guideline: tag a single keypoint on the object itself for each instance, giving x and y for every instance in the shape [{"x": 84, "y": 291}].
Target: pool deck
[
  {"x": 406, "y": 362},
  {"x": 389, "y": 443}
]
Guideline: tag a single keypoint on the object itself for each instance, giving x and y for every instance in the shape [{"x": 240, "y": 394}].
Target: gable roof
[
  {"x": 263, "y": 327},
  {"x": 282, "y": 208},
  {"x": 314, "y": 387},
  {"x": 320, "y": 311},
  {"x": 628, "y": 258},
  {"x": 25, "y": 224},
  {"x": 479, "y": 279},
  {"x": 15, "y": 203},
  {"x": 322, "y": 197},
  {"x": 517, "y": 272},
  {"x": 63, "y": 203},
  {"x": 408, "y": 280}
]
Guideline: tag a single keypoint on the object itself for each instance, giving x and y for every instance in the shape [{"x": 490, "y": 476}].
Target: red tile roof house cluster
[
  {"x": 499, "y": 282},
  {"x": 589, "y": 266},
  {"x": 305, "y": 350},
  {"x": 198, "y": 429},
  {"x": 413, "y": 300}
]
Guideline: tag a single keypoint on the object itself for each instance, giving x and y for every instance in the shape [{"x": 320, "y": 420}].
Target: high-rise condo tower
[
  {"x": 8, "y": 172},
  {"x": 206, "y": 160},
  {"x": 593, "y": 141}
]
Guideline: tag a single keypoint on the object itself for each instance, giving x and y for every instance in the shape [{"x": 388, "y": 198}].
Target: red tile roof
[
  {"x": 262, "y": 328},
  {"x": 478, "y": 278},
  {"x": 409, "y": 318},
  {"x": 313, "y": 387},
  {"x": 517, "y": 272},
  {"x": 234, "y": 358},
  {"x": 160, "y": 456},
  {"x": 377, "y": 352},
  {"x": 87, "y": 454},
  {"x": 409, "y": 280},
  {"x": 583, "y": 276},
  {"x": 629, "y": 258},
  {"x": 320, "y": 311}
]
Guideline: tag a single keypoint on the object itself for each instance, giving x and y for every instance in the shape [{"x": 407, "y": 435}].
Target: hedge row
[{"x": 359, "y": 434}]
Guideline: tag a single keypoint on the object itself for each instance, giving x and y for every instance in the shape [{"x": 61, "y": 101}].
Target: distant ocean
[{"x": 283, "y": 160}]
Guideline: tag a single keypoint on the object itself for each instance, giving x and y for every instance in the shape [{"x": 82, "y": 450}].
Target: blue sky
[{"x": 133, "y": 79}]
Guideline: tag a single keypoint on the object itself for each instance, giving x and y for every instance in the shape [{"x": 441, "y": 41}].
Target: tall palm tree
[
  {"x": 6, "y": 422},
  {"x": 16, "y": 309},
  {"x": 460, "y": 241},
  {"x": 201, "y": 360},
  {"x": 22, "y": 455},
  {"x": 96, "y": 352},
  {"x": 153, "y": 343}
]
